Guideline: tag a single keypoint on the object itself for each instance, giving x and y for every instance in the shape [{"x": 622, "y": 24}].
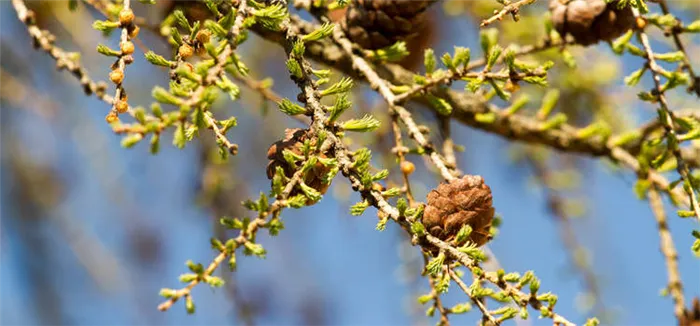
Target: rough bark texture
[
  {"x": 293, "y": 141},
  {"x": 463, "y": 201},
  {"x": 590, "y": 21}
]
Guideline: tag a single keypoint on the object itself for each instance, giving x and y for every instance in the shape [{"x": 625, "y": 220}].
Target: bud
[
  {"x": 116, "y": 76},
  {"x": 111, "y": 117},
  {"x": 641, "y": 22},
  {"x": 203, "y": 36},
  {"x": 122, "y": 106},
  {"x": 185, "y": 51},
  {"x": 407, "y": 167},
  {"x": 126, "y": 17},
  {"x": 134, "y": 31},
  {"x": 127, "y": 48}
]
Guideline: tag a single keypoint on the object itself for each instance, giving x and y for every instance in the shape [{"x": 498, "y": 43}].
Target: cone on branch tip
[
  {"x": 293, "y": 141},
  {"x": 590, "y": 21},
  {"x": 465, "y": 201}
]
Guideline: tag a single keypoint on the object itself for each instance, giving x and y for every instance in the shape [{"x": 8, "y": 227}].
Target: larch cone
[
  {"x": 590, "y": 21},
  {"x": 465, "y": 201}
]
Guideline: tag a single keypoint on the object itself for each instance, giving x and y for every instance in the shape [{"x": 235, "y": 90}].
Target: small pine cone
[
  {"x": 293, "y": 141},
  {"x": 456, "y": 203},
  {"x": 691, "y": 316},
  {"x": 590, "y": 21},
  {"x": 374, "y": 24}
]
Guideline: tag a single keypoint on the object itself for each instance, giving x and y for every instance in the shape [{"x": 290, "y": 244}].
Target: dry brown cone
[
  {"x": 465, "y": 201},
  {"x": 293, "y": 141},
  {"x": 415, "y": 43},
  {"x": 590, "y": 21},
  {"x": 691, "y": 317},
  {"x": 375, "y": 24}
]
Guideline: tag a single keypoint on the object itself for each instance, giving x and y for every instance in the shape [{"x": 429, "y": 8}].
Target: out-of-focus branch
[
  {"x": 557, "y": 208},
  {"x": 668, "y": 249}
]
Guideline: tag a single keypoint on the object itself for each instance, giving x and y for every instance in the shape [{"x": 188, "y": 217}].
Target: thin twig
[
  {"x": 513, "y": 9},
  {"x": 667, "y": 118},
  {"x": 383, "y": 88},
  {"x": 479, "y": 304},
  {"x": 675, "y": 32}
]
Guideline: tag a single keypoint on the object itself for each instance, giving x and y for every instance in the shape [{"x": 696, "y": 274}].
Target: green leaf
[
  {"x": 429, "y": 61},
  {"x": 621, "y": 42},
  {"x": 685, "y": 214},
  {"x": 294, "y": 68},
  {"x": 344, "y": 85},
  {"x": 462, "y": 57},
  {"x": 163, "y": 96},
  {"x": 179, "y": 137},
  {"x": 518, "y": 104},
  {"x": 255, "y": 249},
  {"x": 461, "y": 308},
  {"x": 494, "y": 54},
  {"x": 554, "y": 122},
  {"x": 488, "y": 38},
  {"x": 289, "y": 108},
  {"x": 359, "y": 208},
  {"x": 187, "y": 278},
  {"x": 341, "y": 104},
  {"x": 324, "y": 31},
  {"x": 418, "y": 229},
  {"x": 131, "y": 140},
  {"x": 463, "y": 233},
  {"x": 670, "y": 57},
  {"x": 367, "y": 123},
  {"x": 592, "y": 322},
  {"x": 440, "y": 105},
  {"x": 216, "y": 29},
  {"x": 271, "y": 17},
  {"x": 395, "y": 52},
  {"x": 105, "y": 50},
  {"x": 435, "y": 265},
  {"x": 158, "y": 60},
  {"x": 634, "y": 78},
  {"x": 423, "y": 299},
  {"x": 181, "y": 20},
  {"x": 549, "y": 101},
  {"x": 693, "y": 27},
  {"x": 105, "y": 26}
]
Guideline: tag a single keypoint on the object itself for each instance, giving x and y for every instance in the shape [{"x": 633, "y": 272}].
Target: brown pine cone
[
  {"x": 456, "y": 203},
  {"x": 590, "y": 21},
  {"x": 374, "y": 24},
  {"x": 293, "y": 141},
  {"x": 415, "y": 45},
  {"x": 691, "y": 317}
]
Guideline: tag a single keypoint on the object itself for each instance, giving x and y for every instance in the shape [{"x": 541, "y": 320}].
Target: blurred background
[{"x": 90, "y": 231}]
